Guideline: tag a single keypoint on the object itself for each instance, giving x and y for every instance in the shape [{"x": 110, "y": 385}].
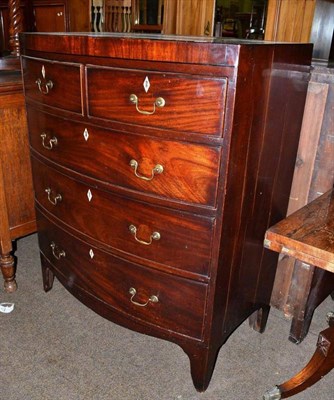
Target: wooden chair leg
[{"x": 320, "y": 364}]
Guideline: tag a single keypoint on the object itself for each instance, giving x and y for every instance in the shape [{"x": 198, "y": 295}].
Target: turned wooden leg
[
  {"x": 258, "y": 320},
  {"x": 7, "y": 265},
  {"x": 320, "y": 364},
  {"x": 48, "y": 278}
]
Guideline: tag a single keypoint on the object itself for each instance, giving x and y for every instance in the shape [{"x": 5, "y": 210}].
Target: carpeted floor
[{"x": 54, "y": 348}]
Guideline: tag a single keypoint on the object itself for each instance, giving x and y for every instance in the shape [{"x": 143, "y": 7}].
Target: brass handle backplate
[
  {"x": 52, "y": 142},
  {"x": 158, "y": 169},
  {"x": 152, "y": 299},
  {"x": 154, "y": 236},
  {"x": 44, "y": 86},
  {"x": 159, "y": 102},
  {"x": 58, "y": 254},
  {"x": 53, "y": 199}
]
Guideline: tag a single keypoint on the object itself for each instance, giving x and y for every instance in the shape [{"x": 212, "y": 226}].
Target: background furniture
[
  {"x": 299, "y": 289},
  {"x": 303, "y": 21},
  {"x": 155, "y": 177},
  {"x": 308, "y": 235},
  {"x": 17, "y": 214},
  {"x": 61, "y": 15}
]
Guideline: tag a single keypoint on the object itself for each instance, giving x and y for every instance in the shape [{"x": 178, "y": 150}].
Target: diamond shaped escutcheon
[
  {"x": 146, "y": 84},
  {"x": 86, "y": 134}
]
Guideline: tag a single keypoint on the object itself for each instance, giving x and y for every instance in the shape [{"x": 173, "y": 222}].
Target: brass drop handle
[
  {"x": 152, "y": 299},
  {"x": 154, "y": 236},
  {"x": 58, "y": 254},
  {"x": 55, "y": 199},
  {"x": 158, "y": 169},
  {"x": 52, "y": 142},
  {"x": 44, "y": 87},
  {"x": 159, "y": 102}
]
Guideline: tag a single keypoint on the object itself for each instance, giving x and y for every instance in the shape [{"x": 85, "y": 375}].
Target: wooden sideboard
[
  {"x": 17, "y": 214},
  {"x": 158, "y": 165}
]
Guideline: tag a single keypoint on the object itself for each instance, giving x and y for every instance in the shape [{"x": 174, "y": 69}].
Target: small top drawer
[
  {"x": 183, "y": 103},
  {"x": 55, "y": 84}
]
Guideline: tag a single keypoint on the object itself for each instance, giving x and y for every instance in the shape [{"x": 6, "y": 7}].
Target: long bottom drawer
[{"x": 155, "y": 298}]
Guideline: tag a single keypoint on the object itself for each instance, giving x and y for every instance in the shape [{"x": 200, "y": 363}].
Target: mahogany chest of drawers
[{"x": 158, "y": 164}]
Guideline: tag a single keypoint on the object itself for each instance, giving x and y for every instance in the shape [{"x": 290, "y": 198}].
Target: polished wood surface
[
  {"x": 189, "y": 239},
  {"x": 307, "y": 235},
  {"x": 17, "y": 213}
]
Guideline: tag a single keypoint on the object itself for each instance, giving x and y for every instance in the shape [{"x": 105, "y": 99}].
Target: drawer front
[
  {"x": 163, "y": 100},
  {"x": 55, "y": 84},
  {"x": 188, "y": 172},
  {"x": 178, "y": 305},
  {"x": 178, "y": 240}
]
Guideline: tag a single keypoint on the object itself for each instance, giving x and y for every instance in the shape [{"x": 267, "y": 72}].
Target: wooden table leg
[{"x": 320, "y": 364}]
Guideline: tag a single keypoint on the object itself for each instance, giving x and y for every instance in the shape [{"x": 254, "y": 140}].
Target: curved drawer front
[
  {"x": 188, "y": 172},
  {"x": 155, "y": 298},
  {"x": 162, "y": 100},
  {"x": 55, "y": 84},
  {"x": 172, "y": 238}
]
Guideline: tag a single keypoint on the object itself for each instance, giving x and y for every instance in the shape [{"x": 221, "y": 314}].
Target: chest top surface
[{"x": 165, "y": 48}]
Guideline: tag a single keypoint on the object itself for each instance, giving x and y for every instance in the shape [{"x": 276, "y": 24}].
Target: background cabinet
[
  {"x": 61, "y": 16},
  {"x": 17, "y": 215},
  {"x": 45, "y": 16}
]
